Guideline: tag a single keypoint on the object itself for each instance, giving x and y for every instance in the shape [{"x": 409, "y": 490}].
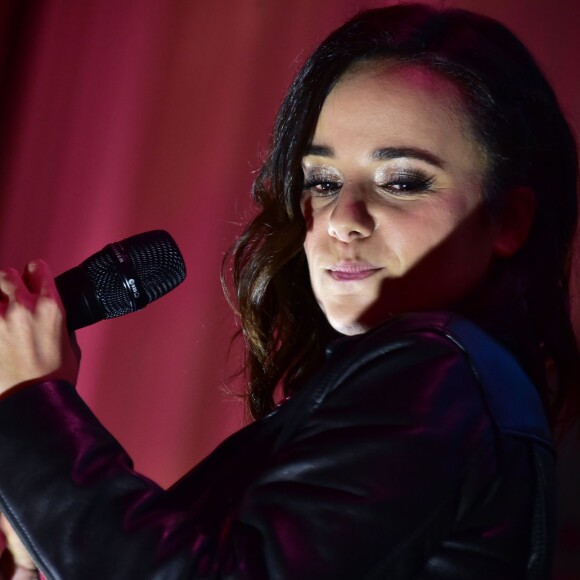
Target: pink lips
[{"x": 347, "y": 271}]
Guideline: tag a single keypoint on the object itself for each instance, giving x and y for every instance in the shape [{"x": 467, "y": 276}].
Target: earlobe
[{"x": 515, "y": 221}]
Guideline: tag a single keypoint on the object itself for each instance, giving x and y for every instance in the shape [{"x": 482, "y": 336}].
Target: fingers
[
  {"x": 39, "y": 279},
  {"x": 13, "y": 293},
  {"x": 11, "y": 284},
  {"x": 36, "y": 282},
  {"x": 34, "y": 341}
]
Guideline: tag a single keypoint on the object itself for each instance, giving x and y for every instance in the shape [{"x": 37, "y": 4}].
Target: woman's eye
[
  {"x": 322, "y": 187},
  {"x": 408, "y": 184}
]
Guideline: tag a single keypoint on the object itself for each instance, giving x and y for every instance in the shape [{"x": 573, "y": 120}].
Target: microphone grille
[{"x": 152, "y": 259}]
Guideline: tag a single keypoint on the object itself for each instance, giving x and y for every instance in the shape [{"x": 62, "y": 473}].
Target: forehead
[
  {"x": 400, "y": 102},
  {"x": 383, "y": 78}
]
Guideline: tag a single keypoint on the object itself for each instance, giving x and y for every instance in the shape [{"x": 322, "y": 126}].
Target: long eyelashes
[
  {"x": 399, "y": 183},
  {"x": 408, "y": 182},
  {"x": 322, "y": 185}
]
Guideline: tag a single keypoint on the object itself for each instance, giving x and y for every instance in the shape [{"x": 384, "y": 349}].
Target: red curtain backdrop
[{"x": 124, "y": 116}]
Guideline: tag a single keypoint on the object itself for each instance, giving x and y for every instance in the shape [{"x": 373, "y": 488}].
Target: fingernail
[{"x": 32, "y": 266}]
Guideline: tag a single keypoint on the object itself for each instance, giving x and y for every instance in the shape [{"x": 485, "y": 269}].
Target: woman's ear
[{"x": 515, "y": 221}]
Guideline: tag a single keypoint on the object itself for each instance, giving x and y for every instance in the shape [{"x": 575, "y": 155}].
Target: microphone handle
[{"x": 80, "y": 303}]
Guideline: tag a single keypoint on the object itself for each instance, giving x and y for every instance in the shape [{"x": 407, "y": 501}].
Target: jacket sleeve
[{"x": 370, "y": 483}]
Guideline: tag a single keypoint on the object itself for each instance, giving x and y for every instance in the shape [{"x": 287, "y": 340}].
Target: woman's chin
[
  {"x": 349, "y": 327},
  {"x": 357, "y": 324}
]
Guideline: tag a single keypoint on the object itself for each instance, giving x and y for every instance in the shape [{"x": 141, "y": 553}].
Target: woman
[{"x": 421, "y": 187}]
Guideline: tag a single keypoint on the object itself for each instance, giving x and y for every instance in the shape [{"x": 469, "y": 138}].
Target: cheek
[
  {"x": 410, "y": 235},
  {"x": 433, "y": 236},
  {"x": 307, "y": 212},
  {"x": 311, "y": 245},
  {"x": 310, "y": 238},
  {"x": 438, "y": 221},
  {"x": 316, "y": 238}
]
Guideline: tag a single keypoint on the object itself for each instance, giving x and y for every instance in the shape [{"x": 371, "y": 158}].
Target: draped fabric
[{"x": 125, "y": 116}]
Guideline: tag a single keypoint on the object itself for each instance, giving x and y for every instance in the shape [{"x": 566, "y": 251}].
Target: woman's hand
[
  {"x": 34, "y": 345},
  {"x": 34, "y": 340},
  {"x": 20, "y": 565}
]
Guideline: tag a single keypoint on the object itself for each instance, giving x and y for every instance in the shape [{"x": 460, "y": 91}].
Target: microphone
[{"x": 123, "y": 277}]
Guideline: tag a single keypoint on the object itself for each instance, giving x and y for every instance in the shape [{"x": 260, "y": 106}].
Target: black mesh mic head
[
  {"x": 129, "y": 274},
  {"x": 123, "y": 277}
]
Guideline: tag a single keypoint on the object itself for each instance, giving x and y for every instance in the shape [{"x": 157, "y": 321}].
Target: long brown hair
[{"x": 516, "y": 119}]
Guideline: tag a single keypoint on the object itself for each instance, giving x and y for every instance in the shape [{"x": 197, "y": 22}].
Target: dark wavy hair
[{"x": 516, "y": 119}]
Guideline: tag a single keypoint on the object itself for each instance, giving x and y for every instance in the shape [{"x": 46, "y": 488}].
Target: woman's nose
[{"x": 350, "y": 218}]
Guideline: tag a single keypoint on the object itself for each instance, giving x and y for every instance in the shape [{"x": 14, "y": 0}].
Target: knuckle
[
  {"x": 18, "y": 312},
  {"x": 48, "y": 306}
]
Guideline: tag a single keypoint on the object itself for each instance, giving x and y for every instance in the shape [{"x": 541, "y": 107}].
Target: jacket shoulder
[{"x": 512, "y": 400}]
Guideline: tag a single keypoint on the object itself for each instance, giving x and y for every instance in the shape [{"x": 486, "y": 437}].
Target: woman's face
[{"x": 393, "y": 198}]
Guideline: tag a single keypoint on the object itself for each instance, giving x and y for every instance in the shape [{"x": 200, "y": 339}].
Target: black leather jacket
[{"x": 420, "y": 450}]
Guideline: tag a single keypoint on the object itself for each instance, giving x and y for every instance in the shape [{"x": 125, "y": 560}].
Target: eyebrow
[{"x": 385, "y": 154}]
